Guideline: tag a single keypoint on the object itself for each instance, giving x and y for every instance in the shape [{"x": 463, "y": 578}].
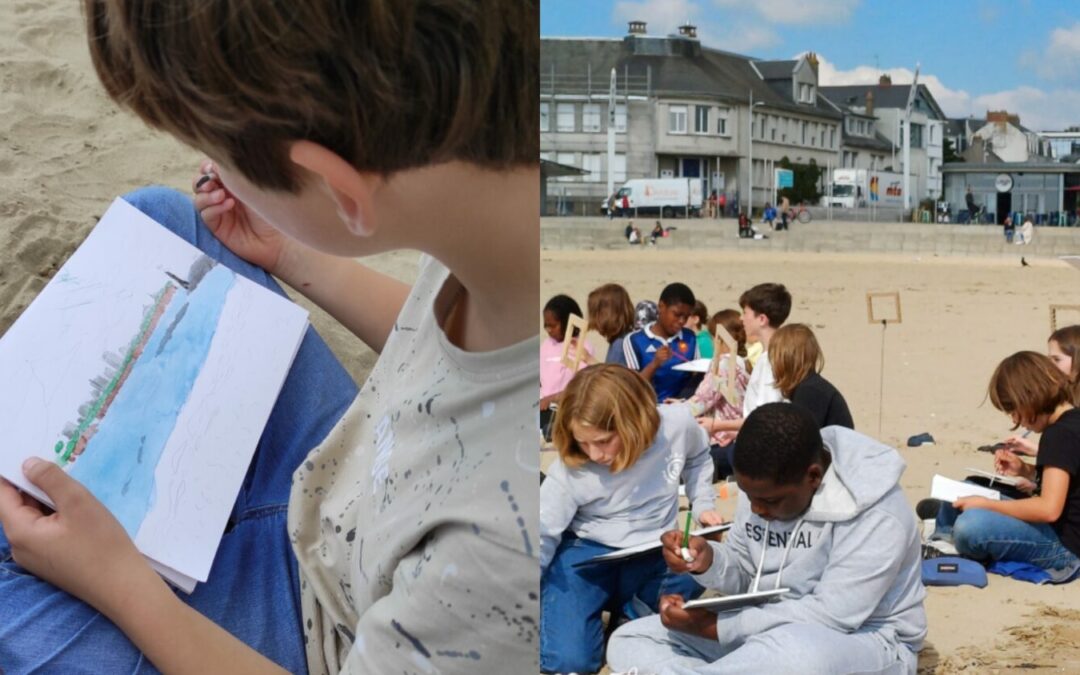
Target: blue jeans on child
[
  {"x": 572, "y": 599},
  {"x": 986, "y": 535},
  {"x": 253, "y": 590}
]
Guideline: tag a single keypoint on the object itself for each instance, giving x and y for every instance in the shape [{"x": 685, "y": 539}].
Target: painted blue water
[{"x": 119, "y": 462}]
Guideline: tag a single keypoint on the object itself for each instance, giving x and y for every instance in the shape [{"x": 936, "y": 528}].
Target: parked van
[{"x": 667, "y": 197}]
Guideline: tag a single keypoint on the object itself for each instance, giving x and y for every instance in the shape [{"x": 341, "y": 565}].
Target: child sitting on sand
[
  {"x": 380, "y": 531},
  {"x": 614, "y": 485},
  {"x": 797, "y": 361},
  {"x": 657, "y": 347},
  {"x": 611, "y": 313},
  {"x": 1042, "y": 530},
  {"x": 554, "y": 375},
  {"x": 718, "y": 416}
]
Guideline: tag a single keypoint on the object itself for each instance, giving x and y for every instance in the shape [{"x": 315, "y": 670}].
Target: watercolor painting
[
  {"x": 148, "y": 372},
  {"x": 137, "y": 400}
]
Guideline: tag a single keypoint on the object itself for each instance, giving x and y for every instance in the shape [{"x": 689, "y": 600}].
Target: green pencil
[{"x": 686, "y": 540}]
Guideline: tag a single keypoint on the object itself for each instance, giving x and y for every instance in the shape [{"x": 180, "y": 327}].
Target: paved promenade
[{"x": 818, "y": 236}]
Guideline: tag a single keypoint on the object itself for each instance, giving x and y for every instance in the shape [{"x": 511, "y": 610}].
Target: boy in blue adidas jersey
[{"x": 656, "y": 348}]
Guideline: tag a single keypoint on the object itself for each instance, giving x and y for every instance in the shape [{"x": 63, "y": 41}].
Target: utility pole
[{"x": 611, "y": 140}]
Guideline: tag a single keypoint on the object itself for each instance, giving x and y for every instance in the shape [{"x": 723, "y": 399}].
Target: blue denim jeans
[
  {"x": 253, "y": 589},
  {"x": 572, "y": 599},
  {"x": 986, "y": 535}
]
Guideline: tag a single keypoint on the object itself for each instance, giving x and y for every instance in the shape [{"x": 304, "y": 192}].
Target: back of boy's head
[
  {"x": 677, "y": 294},
  {"x": 1028, "y": 384},
  {"x": 387, "y": 85},
  {"x": 611, "y": 312},
  {"x": 778, "y": 442},
  {"x": 562, "y": 306},
  {"x": 606, "y": 397},
  {"x": 772, "y": 300}
]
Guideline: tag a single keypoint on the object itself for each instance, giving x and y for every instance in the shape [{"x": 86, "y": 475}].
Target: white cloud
[
  {"x": 954, "y": 102},
  {"x": 796, "y": 11},
  {"x": 1061, "y": 59}
]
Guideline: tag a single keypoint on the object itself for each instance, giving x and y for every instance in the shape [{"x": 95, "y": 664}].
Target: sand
[
  {"x": 66, "y": 151},
  {"x": 960, "y": 317}
]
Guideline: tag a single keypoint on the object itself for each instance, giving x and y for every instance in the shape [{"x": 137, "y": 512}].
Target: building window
[
  {"x": 806, "y": 93},
  {"x": 591, "y": 163},
  {"x": 721, "y": 121},
  {"x": 564, "y": 117},
  {"x": 772, "y": 134},
  {"x": 823, "y": 136},
  {"x": 802, "y": 129},
  {"x": 862, "y": 127},
  {"x": 849, "y": 125},
  {"x": 701, "y": 119},
  {"x": 916, "y": 135},
  {"x": 618, "y": 170},
  {"x": 567, "y": 159},
  {"x": 620, "y": 118},
  {"x": 832, "y": 137},
  {"x": 677, "y": 119},
  {"x": 590, "y": 117},
  {"x": 545, "y": 122}
]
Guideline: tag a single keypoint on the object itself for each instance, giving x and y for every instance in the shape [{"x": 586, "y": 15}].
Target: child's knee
[
  {"x": 167, "y": 206},
  {"x": 970, "y": 530}
]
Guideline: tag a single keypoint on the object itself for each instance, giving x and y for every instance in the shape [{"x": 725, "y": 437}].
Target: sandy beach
[
  {"x": 960, "y": 317},
  {"x": 68, "y": 151}
]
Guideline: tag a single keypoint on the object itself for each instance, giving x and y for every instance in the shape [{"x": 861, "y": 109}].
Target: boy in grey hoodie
[{"x": 820, "y": 513}]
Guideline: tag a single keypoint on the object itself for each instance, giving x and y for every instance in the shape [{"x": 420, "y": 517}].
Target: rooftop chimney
[
  {"x": 870, "y": 103},
  {"x": 637, "y": 27},
  {"x": 688, "y": 30},
  {"x": 812, "y": 59},
  {"x": 884, "y": 80}
]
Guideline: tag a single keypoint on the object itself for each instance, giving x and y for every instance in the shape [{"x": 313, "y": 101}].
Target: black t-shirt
[
  {"x": 1059, "y": 447},
  {"x": 827, "y": 406}
]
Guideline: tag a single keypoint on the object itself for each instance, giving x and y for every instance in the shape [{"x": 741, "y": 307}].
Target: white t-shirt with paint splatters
[{"x": 415, "y": 521}]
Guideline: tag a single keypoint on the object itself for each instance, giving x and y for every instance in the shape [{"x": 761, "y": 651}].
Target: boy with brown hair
[
  {"x": 332, "y": 128},
  {"x": 765, "y": 308}
]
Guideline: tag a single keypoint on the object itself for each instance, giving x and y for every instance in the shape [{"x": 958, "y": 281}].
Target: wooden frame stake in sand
[
  {"x": 728, "y": 388},
  {"x": 889, "y": 305},
  {"x": 574, "y": 361},
  {"x": 1054, "y": 309},
  {"x": 891, "y": 311}
]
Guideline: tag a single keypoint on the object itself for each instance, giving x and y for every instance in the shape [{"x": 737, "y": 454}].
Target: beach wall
[{"x": 817, "y": 237}]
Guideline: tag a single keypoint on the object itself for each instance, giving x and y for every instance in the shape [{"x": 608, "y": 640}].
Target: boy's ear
[
  {"x": 815, "y": 474},
  {"x": 350, "y": 189}
]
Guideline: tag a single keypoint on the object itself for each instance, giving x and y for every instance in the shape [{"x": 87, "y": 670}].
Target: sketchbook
[
  {"x": 695, "y": 366},
  {"x": 147, "y": 371},
  {"x": 949, "y": 490},
  {"x": 641, "y": 549},
  {"x": 724, "y": 603}
]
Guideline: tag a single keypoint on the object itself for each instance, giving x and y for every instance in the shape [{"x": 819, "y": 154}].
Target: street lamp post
[{"x": 750, "y": 157}]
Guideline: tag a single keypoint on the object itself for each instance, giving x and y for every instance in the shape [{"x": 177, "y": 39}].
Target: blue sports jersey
[{"x": 640, "y": 346}]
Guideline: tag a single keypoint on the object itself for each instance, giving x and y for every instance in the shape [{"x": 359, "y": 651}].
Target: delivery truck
[
  {"x": 667, "y": 197},
  {"x": 860, "y": 187}
]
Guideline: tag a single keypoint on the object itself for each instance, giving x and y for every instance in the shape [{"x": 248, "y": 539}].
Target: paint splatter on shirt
[{"x": 415, "y": 521}]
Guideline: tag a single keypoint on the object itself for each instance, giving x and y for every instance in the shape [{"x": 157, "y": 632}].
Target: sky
[{"x": 1022, "y": 56}]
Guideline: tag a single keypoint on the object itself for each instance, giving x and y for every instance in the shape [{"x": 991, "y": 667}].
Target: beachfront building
[
  {"x": 1064, "y": 145},
  {"x": 999, "y": 137},
  {"x": 862, "y": 146},
  {"x": 1044, "y": 190},
  {"x": 682, "y": 110},
  {"x": 886, "y": 103}
]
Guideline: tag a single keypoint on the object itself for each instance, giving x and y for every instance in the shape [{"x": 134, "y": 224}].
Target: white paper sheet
[
  {"x": 949, "y": 490},
  {"x": 726, "y": 603}
]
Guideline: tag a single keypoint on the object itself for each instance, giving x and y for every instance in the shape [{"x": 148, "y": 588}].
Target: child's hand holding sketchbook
[{"x": 148, "y": 372}]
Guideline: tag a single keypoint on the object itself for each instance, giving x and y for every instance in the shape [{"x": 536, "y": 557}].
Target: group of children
[{"x": 629, "y": 430}]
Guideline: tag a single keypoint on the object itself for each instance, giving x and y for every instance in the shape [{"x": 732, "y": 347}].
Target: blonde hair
[
  {"x": 607, "y": 397},
  {"x": 611, "y": 312},
  {"x": 794, "y": 354},
  {"x": 1028, "y": 384}
]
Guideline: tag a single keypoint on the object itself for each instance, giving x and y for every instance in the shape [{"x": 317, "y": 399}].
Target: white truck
[
  {"x": 667, "y": 197},
  {"x": 860, "y": 187}
]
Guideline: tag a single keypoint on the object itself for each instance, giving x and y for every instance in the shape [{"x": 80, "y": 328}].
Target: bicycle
[{"x": 800, "y": 212}]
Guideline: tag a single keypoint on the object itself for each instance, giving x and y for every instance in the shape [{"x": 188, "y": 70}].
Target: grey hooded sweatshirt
[{"x": 852, "y": 560}]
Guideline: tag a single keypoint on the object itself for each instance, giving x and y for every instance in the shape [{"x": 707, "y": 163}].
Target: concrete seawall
[{"x": 818, "y": 236}]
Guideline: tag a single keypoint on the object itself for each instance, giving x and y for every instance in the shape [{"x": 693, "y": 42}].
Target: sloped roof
[
  {"x": 888, "y": 96},
  {"x": 674, "y": 67},
  {"x": 776, "y": 70}
]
